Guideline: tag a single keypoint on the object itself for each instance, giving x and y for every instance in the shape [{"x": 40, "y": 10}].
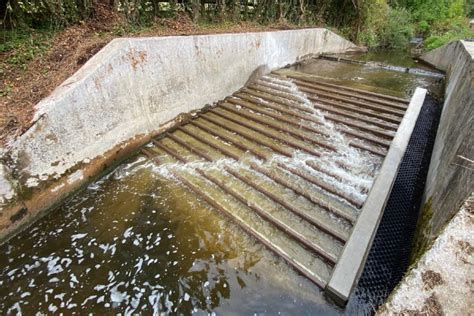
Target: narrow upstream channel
[{"x": 138, "y": 240}]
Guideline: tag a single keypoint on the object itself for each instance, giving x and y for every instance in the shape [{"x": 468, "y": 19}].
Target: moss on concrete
[{"x": 422, "y": 239}]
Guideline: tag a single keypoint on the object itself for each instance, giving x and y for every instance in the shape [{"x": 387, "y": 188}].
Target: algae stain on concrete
[{"x": 421, "y": 239}]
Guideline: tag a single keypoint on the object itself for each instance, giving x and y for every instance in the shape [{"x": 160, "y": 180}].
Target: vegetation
[
  {"x": 375, "y": 23},
  {"x": 26, "y": 45},
  {"x": 441, "y": 21},
  {"x": 386, "y": 26}
]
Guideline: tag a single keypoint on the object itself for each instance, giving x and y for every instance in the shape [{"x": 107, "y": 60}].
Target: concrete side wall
[
  {"x": 133, "y": 86},
  {"x": 451, "y": 178},
  {"x": 7, "y": 188},
  {"x": 132, "y": 90}
]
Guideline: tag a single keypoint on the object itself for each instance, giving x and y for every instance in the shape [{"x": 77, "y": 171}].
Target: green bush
[
  {"x": 448, "y": 33},
  {"x": 440, "y": 21},
  {"x": 386, "y": 27},
  {"x": 376, "y": 13},
  {"x": 432, "y": 11},
  {"x": 47, "y": 13},
  {"x": 398, "y": 29},
  {"x": 442, "y": 31},
  {"x": 423, "y": 27}
]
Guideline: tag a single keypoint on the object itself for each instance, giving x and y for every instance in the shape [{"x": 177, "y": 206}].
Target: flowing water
[
  {"x": 134, "y": 241},
  {"x": 395, "y": 83},
  {"x": 137, "y": 241}
]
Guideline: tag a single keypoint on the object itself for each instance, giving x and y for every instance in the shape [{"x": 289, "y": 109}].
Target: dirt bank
[{"x": 22, "y": 86}]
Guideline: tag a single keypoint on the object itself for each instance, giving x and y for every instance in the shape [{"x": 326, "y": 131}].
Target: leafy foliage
[
  {"x": 386, "y": 26},
  {"x": 45, "y": 13},
  {"x": 448, "y": 31},
  {"x": 386, "y": 23},
  {"x": 397, "y": 30},
  {"x": 442, "y": 21}
]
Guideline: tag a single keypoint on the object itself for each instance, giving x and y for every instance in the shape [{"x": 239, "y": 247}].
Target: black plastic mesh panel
[{"x": 388, "y": 258}]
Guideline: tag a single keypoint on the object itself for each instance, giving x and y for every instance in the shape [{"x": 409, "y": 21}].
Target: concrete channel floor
[{"x": 290, "y": 159}]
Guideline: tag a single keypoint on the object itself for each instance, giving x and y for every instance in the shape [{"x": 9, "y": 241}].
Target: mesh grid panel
[{"x": 388, "y": 258}]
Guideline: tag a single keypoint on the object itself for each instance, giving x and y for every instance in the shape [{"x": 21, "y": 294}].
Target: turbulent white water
[
  {"x": 363, "y": 164},
  {"x": 354, "y": 181}
]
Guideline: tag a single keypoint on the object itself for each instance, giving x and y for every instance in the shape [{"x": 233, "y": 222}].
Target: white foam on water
[
  {"x": 53, "y": 267},
  {"x": 117, "y": 296},
  {"x": 165, "y": 170},
  {"x": 186, "y": 297},
  {"x": 363, "y": 165},
  {"x": 52, "y": 308},
  {"x": 352, "y": 170},
  {"x": 78, "y": 236}
]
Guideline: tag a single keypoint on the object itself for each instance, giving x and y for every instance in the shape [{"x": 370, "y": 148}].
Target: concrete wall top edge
[
  {"x": 240, "y": 34},
  {"x": 469, "y": 46},
  {"x": 97, "y": 61}
]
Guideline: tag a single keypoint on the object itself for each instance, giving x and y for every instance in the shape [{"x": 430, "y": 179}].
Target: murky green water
[{"x": 390, "y": 57}]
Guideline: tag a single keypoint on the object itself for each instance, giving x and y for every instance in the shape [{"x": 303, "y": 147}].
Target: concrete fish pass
[
  {"x": 302, "y": 164},
  {"x": 342, "y": 161}
]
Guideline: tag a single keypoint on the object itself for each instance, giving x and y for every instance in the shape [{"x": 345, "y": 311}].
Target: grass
[
  {"x": 435, "y": 41},
  {"x": 17, "y": 49},
  {"x": 21, "y": 46}
]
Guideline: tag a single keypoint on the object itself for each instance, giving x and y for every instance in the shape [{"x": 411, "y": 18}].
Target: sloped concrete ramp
[{"x": 301, "y": 164}]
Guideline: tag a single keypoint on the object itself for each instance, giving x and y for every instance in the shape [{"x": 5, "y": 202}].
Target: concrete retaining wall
[
  {"x": 451, "y": 175},
  {"x": 129, "y": 91}
]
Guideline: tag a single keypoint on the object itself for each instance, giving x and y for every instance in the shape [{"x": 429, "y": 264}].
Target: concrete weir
[{"x": 303, "y": 164}]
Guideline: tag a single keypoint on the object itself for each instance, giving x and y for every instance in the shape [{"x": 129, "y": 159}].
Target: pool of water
[
  {"x": 135, "y": 242},
  {"x": 394, "y": 83},
  {"x": 399, "y": 58}
]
